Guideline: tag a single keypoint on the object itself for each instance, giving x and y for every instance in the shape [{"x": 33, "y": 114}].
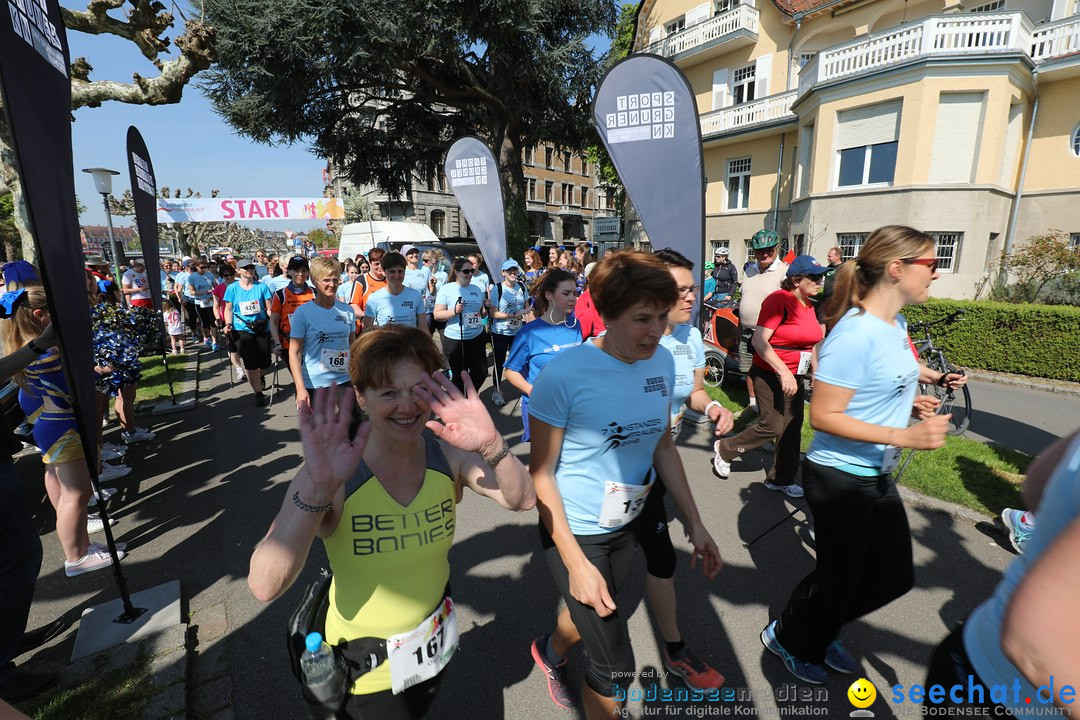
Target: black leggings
[
  {"x": 466, "y": 356},
  {"x": 606, "y": 640},
  {"x": 863, "y": 558},
  {"x": 408, "y": 705},
  {"x": 653, "y": 534},
  {"x": 500, "y": 345}
]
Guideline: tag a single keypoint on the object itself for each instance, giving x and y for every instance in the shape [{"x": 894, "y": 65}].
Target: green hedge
[{"x": 1037, "y": 340}]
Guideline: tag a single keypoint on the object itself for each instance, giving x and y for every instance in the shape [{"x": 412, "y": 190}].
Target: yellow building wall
[
  {"x": 1052, "y": 164},
  {"x": 764, "y": 154}
]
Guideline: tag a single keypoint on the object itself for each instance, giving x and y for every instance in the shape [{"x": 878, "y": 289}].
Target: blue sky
[{"x": 189, "y": 144}]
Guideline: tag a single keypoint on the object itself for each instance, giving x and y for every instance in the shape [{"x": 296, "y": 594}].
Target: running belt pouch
[{"x": 328, "y": 697}]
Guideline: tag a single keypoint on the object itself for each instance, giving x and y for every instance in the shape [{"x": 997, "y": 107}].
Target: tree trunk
[
  {"x": 9, "y": 179},
  {"x": 512, "y": 177}
]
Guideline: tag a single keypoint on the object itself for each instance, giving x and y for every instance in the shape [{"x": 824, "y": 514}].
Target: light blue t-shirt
[
  {"x": 1058, "y": 509},
  {"x": 417, "y": 279},
  {"x": 325, "y": 332},
  {"x": 872, "y": 357},
  {"x": 613, "y": 415},
  {"x": 440, "y": 280},
  {"x": 686, "y": 346},
  {"x": 468, "y": 325},
  {"x": 385, "y": 308},
  {"x": 181, "y": 282},
  {"x": 250, "y": 305},
  {"x": 481, "y": 280},
  {"x": 537, "y": 343},
  {"x": 203, "y": 285},
  {"x": 345, "y": 291},
  {"x": 275, "y": 283},
  {"x": 510, "y": 301}
]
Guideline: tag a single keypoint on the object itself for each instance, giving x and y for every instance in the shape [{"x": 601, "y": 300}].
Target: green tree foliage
[
  {"x": 322, "y": 239},
  {"x": 383, "y": 87},
  {"x": 9, "y": 232},
  {"x": 357, "y": 209},
  {"x": 1039, "y": 264}
]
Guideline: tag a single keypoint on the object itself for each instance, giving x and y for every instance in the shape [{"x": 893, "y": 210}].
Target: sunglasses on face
[
  {"x": 931, "y": 263},
  {"x": 470, "y": 271}
]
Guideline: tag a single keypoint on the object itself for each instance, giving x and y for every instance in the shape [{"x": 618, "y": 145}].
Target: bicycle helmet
[{"x": 764, "y": 239}]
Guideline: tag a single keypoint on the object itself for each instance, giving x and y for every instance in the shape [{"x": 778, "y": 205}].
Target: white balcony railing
[
  {"x": 975, "y": 34},
  {"x": 1056, "y": 39},
  {"x": 755, "y": 112},
  {"x": 742, "y": 17}
]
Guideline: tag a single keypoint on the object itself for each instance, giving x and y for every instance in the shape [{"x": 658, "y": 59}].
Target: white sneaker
[
  {"x": 792, "y": 490},
  {"x": 113, "y": 472},
  {"x": 104, "y": 494},
  {"x": 95, "y": 559},
  {"x": 240, "y": 374},
  {"x": 140, "y": 435},
  {"x": 497, "y": 398},
  {"x": 94, "y": 524},
  {"x": 721, "y": 467}
]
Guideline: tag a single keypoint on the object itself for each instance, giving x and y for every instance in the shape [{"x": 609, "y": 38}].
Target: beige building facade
[{"x": 825, "y": 119}]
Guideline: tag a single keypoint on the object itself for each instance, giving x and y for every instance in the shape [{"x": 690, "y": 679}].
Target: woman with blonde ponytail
[
  {"x": 46, "y": 401},
  {"x": 864, "y": 392}
]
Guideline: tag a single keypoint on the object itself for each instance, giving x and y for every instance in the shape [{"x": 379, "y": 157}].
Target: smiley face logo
[{"x": 862, "y": 693}]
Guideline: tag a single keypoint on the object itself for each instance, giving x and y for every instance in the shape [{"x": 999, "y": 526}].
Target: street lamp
[{"x": 103, "y": 184}]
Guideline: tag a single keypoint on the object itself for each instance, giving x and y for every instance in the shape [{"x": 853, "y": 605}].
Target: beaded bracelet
[{"x": 310, "y": 508}]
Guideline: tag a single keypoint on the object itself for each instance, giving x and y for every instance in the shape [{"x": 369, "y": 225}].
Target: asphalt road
[{"x": 205, "y": 491}]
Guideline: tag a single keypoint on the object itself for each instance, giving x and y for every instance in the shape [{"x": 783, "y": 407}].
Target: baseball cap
[
  {"x": 245, "y": 262},
  {"x": 511, "y": 263},
  {"x": 186, "y": 258},
  {"x": 298, "y": 262},
  {"x": 137, "y": 261},
  {"x": 805, "y": 265},
  {"x": 95, "y": 260},
  {"x": 406, "y": 249}
]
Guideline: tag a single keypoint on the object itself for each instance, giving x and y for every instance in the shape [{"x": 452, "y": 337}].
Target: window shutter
[
  {"x": 720, "y": 90},
  {"x": 869, "y": 125},
  {"x": 956, "y": 134},
  {"x": 654, "y": 34},
  {"x": 762, "y": 71},
  {"x": 701, "y": 12}
]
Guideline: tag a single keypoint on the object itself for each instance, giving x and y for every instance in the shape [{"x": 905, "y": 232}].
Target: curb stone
[{"x": 1024, "y": 381}]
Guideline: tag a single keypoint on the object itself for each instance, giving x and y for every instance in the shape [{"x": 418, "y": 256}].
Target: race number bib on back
[
  {"x": 335, "y": 360},
  {"x": 622, "y": 503},
  {"x": 421, "y": 653},
  {"x": 249, "y": 307}
]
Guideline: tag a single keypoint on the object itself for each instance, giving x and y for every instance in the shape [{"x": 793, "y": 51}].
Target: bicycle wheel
[
  {"x": 714, "y": 368},
  {"x": 954, "y": 402}
]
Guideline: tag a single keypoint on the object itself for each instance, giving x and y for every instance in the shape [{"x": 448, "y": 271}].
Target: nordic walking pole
[{"x": 461, "y": 331}]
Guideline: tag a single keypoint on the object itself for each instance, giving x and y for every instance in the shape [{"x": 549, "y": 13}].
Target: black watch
[{"x": 36, "y": 349}]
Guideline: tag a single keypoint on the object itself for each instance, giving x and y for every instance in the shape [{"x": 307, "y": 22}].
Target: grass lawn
[
  {"x": 153, "y": 386},
  {"x": 976, "y": 475},
  {"x": 115, "y": 695}
]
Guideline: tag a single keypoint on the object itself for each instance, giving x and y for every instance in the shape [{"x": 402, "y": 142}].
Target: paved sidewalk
[{"x": 204, "y": 492}]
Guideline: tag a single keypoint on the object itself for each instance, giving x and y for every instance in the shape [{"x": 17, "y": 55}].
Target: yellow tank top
[{"x": 390, "y": 561}]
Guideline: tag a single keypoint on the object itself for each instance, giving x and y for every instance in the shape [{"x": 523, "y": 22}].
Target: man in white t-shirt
[
  {"x": 136, "y": 286},
  {"x": 763, "y": 278}
]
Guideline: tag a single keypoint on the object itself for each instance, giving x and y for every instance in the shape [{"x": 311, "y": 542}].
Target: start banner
[{"x": 234, "y": 209}]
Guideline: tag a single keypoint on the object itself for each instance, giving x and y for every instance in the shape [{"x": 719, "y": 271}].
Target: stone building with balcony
[{"x": 824, "y": 119}]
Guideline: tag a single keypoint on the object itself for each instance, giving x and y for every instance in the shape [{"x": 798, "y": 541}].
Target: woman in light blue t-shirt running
[{"x": 864, "y": 393}]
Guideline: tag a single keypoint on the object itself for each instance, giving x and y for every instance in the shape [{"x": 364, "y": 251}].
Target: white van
[{"x": 361, "y": 237}]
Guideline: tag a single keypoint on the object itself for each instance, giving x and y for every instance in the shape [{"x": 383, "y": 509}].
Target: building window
[
  {"x": 532, "y": 189},
  {"x": 738, "y": 187},
  {"x": 805, "y": 58},
  {"x": 548, "y": 191},
  {"x": 567, "y": 194},
  {"x": 716, "y": 245},
  {"x": 1074, "y": 241},
  {"x": 528, "y": 156},
  {"x": 676, "y": 25},
  {"x": 722, "y": 6},
  {"x": 566, "y": 162},
  {"x": 850, "y": 243},
  {"x": 584, "y": 196},
  {"x": 990, "y": 7},
  {"x": 549, "y": 155},
  {"x": 947, "y": 250},
  {"x": 742, "y": 86},
  {"x": 867, "y": 144},
  {"x": 1076, "y": 132},
  {"x": 584, "y": 167},
  {"x": 438, "y": 222}
]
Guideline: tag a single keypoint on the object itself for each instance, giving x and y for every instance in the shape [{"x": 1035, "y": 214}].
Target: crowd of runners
[{"x": 605, "y": 361}]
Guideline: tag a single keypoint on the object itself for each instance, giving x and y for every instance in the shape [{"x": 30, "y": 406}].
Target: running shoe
[
  {"x": 94, "y": 523},
  {"x": 262, "y": 399},
  {"x": 1019, "y": 532},
  {"x": 95, "y": 559},
  {"x": 207, "y": 343},
  {"x": 558, "y": 687},
  {"x": 807, "y": 672},
  {"x": 214, "y": 347},
  {"x": 695, "y": 673},
  {"x": 139, "y": 435},
  {"x": 751, "y": 408},
  {"x": 103, "y": 494},
  {"x": 497, "y": 398},
  {"x": 721, "y": 468},
  {"x": 240, "y": 374},
  {"x": 113, "y": 472},
  {"x": 793, "y": 490},
  {"x": 839, "y": 659},
  {"x": 108, "y": 453}
]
